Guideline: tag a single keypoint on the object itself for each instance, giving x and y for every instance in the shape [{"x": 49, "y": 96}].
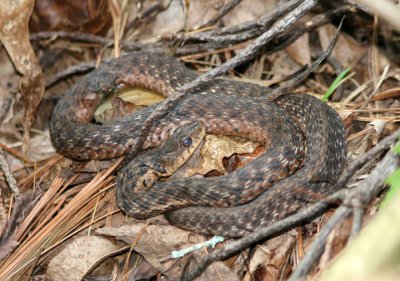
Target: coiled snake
[{"x": 304, "y": 140}]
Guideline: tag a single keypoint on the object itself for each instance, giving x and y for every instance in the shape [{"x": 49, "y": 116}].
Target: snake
[{"x": 304, "y": 140}]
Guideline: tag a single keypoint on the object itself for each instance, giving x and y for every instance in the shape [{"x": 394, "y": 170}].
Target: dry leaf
[
  {"x": 14, "y": 34},
  {"x": 174, "y": 16},
  {"x": 144, "y": 271},
  {"x": 74, "y": 15},
  {"x": 40, "y": 147},
  {"x": 299, "y": 50},
  {"x": 367, "y": 137},
  {"x": 347, "y": 50},
  {"x": 282, "y": 65},
  {"x": 125, "y": 102},
  {"x": 8, "y": 83},
  {"x": 73, "y": 262},
  {"x": 158, "y": 241},
  {"x": 270, "y": 257},
  {"x": 211, "y": 154},
  {"x": 378, "y": 125}
]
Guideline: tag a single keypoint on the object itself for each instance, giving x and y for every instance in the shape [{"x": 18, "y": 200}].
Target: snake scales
[{"x": 304, "y": 140}]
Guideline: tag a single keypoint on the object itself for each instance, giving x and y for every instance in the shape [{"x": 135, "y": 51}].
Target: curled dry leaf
[
  {"x": 157, "y": 242},
  {"x": 14, "y": 34},
  {"x": 125, "y": 102},
  {"x": 73, "y": 262},
  {"x": 211, "y": 154}
]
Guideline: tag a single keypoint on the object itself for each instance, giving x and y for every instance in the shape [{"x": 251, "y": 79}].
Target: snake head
[{"x": 179, "y": 147}]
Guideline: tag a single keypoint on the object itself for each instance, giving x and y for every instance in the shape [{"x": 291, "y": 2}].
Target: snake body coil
[{"x": 304, "y": 140}]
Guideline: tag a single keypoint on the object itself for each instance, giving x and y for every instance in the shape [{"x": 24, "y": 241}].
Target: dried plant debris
[
  {"x": 59, "y": 219},
  {"x": 75, "y": 260},
  {"x": 156, "y": 242},
  {"x": 14, "y": 35}
]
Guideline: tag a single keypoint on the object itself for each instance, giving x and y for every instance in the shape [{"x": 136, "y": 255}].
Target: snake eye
[{"x": 187, "y": 141}]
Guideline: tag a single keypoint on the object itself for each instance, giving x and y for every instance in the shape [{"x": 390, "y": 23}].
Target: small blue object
[{"x": 210, "y": 243}]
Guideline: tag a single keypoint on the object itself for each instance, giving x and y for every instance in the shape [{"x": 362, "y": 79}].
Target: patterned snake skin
[{"x": 304, "y": 140}]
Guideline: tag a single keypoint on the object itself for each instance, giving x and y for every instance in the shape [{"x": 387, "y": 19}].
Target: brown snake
[{"x": 304, "y": 140}]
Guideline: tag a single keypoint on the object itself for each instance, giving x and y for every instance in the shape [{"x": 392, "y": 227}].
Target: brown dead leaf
[
  {"x": 40, "y": 147},
  {"x": 300, "y": 51},
  {"x": 282, "y": 65},
  {"x": 125, "y": 102},
  {"x": 76, "y": 15},
  {"x": 347, "y": 50},
  {"x": 144, "y": 271},
  {"x": 73, "y": 262},
  {"x": 211, "y": 154},
  {"x": 269, "y": 258},
  {"x": 158, "y": 241},
  {"x": 14, "y": 34}
]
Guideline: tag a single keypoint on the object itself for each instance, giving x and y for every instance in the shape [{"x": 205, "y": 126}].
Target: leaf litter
[{"x": 76, "y": 200}]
